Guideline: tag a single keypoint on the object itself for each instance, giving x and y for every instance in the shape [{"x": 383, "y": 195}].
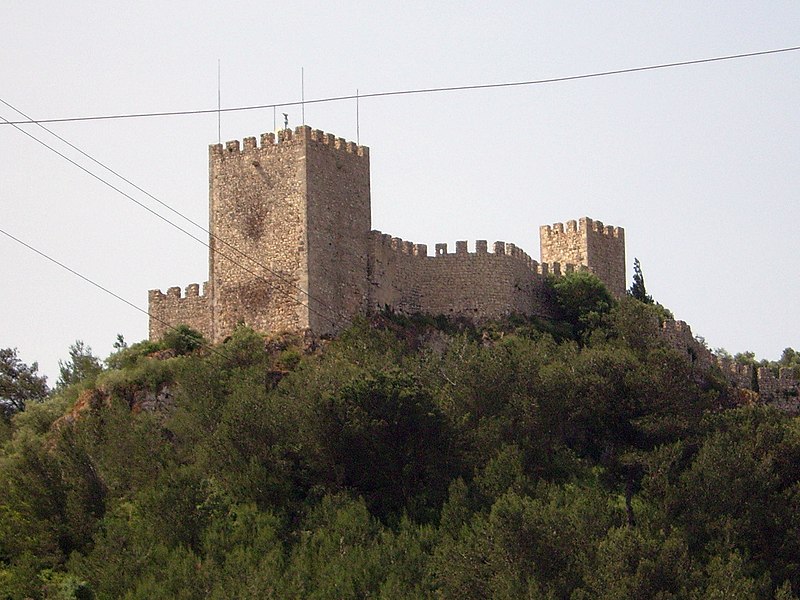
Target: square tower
[
  {"x": 289, "y": 223},
  {"x": 589, "y": 243}
]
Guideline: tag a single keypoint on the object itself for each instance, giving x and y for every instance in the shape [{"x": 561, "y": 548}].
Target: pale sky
[{"x": 699, "y": 164}]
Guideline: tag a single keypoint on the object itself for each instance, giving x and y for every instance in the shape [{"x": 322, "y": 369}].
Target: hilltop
[{"x": 582, "y": 456}]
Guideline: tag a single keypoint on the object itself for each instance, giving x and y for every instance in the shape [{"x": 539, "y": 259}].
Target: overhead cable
[{"x": 455, "y": 88}]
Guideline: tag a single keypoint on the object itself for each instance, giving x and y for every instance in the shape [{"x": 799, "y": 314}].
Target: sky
[{"x": 698, "y": 163}]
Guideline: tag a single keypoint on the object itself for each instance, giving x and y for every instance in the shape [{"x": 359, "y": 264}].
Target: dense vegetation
[{"x": 407, "y": 458}]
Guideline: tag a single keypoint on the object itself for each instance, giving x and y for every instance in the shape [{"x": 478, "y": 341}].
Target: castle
[{"x": 291, "y": 249}]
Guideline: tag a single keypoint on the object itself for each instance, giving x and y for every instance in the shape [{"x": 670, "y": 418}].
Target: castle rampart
[
  {"x": 783, "y": 390},
  {"x": 737, "y": 374},
  {"x": 170, "y": 309},
  {"x": 678, "y": 335},
  {"x": 479, "y": 285}
]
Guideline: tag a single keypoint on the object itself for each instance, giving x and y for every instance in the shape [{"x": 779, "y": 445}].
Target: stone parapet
[
  {"x": 172, "y": 309},
  {"x": 269, "y": 142}
]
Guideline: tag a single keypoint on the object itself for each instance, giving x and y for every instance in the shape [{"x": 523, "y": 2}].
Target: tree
[
  {"x": 791, "y": 358},
  {"x": 637, "y": 289},
  {"x": 19, "y": 382},
  {"x": 82, "y": 365},
  {"x": 583, "y": 300},
  {"x": 183, "y": 339},
  {"x": 382, "y": 435}
]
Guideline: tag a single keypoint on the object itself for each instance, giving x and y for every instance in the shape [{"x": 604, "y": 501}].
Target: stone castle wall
[
  {"x": 782, "y": 391},
  {"x": 587, "y": 242},
  {"x": 479, "y": 285},
  {"x": 170, "y": 309},
  {"x": 338, "y": 223},
  {"x": 678, "y": 335}
]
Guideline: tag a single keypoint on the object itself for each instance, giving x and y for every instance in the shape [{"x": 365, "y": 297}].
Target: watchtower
[
  {"x": 590, "y": 243},
  {"x": 289, "y": 222}
]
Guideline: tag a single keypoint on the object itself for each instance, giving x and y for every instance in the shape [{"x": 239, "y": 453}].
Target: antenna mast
[{"x": 219, "y": 103}]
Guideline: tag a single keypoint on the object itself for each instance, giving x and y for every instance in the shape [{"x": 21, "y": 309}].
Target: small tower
[
  {"x": 589, "y": 243},
  {"x": 301, "y": 209}
]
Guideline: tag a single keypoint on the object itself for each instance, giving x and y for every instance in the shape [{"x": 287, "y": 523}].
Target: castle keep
[{"x": 291, "y": 248}]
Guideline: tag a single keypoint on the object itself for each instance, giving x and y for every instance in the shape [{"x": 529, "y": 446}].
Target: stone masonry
[
  {"x": 601, "y": 248},
  {"x": 291, "y": 249}
]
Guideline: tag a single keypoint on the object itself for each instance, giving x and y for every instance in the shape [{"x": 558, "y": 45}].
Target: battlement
[
  {"x": 582, "y": 225},
  {"x": 269, "y": 142},
  {"x": 398, "y": 245},
  {"x": 173, "y": 308},
  {"x": 404, "y": 248},
  {"x": 174, "y": 293}
]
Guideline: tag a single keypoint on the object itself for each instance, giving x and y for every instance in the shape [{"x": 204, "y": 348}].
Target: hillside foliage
[{"x": 406, "y": 458}]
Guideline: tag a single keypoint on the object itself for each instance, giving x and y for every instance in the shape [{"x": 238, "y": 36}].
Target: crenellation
[
  {"x": 420, "y": 250},
  {"x": 572, "y": 226},
  {"x": 170, "y": 309},
  {"x": 461, "y": 247},
  {"x": 232, "y": 146},
  {"x": 499, "y": 248},
  {"x": 267, "y": 140},
  {"x": 250, "y": 144},
  {"x": 481, "y": 247},
  {"x": 441, "y": 249}
]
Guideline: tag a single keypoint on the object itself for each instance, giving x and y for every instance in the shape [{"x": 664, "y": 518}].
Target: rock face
[{"x": 291, "y": 249}]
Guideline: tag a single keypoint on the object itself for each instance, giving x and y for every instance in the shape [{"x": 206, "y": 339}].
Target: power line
[
  {"x": 333, "y": 311},
  {"x": 106, "y": 290},
  {"x": 184, "y": 231},
  {"x": 456, "y": 88}
]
